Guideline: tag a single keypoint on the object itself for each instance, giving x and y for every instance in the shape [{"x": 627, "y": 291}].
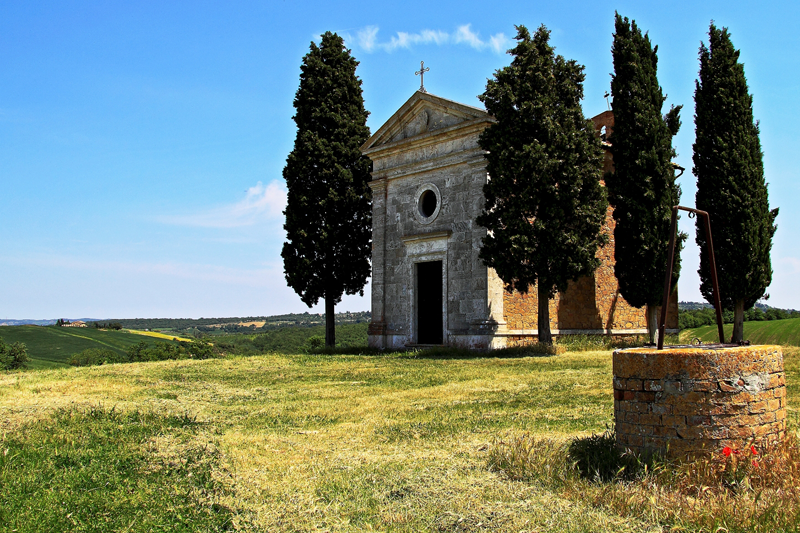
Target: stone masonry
[
  {"x": 427, "y": 184},
  {"x": 690, "y": 400},
  {"x": 430, "y": 146}
]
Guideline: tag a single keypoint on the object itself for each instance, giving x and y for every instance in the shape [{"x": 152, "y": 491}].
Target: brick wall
[
  {"x": 683, "y": 401},
  {"x": 592, "y": 302}
]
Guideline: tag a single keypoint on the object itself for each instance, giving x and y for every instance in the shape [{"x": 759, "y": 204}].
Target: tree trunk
[
  {"x": 738, "y": 322},
  {"x": 330, "y": 323},
  {"x": 543, "y": 316},
  {"x": 653, "y": 314}
]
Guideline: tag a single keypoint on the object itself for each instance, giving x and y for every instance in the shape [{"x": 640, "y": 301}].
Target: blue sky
[{"x": 142, "y": 144}]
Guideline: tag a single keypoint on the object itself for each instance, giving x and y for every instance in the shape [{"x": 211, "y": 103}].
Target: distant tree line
[
  {"x": 105, "y": 325},
  {"x": 694, "y": 318},
  {"x": 292, "y": 339},
  {"x": 232, "y": 324}
]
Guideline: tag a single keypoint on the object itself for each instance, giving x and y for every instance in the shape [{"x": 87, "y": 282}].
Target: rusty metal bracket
[{"x": 673, "y": 236}]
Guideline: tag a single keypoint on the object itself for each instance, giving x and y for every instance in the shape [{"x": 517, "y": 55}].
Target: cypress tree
[
  {"x": 328, "y": 212},
  {"x": 642, "y": 190},
  {"x": 544, "y": 203},
  {"x": 730, "y": 181}
]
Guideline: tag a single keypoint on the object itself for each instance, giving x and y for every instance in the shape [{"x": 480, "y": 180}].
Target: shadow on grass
[
  {"x": 598, "y": 459},
  {"x": 442, "y": 352},
  {"x": 567, "y": 343}
]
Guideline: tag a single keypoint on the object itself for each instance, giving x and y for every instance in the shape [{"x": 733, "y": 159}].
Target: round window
[{"x": 429, "y": 203}]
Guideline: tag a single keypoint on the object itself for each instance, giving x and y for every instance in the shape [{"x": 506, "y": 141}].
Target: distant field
[
  {"x": 784, "y": 332},
  {"x": 51, "y": 347},
  {"x": 157, "y": 335}
]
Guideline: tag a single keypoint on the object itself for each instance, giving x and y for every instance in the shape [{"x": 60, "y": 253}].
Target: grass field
[
  {"x": 396, "y": 442},
  {"x": 52, "y": 347},
  {"x": 783, "y": 332}
]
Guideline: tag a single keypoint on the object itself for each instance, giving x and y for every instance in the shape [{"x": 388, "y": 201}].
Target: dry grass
[
  {"x": 740, "y": 493},
  {"x": 354, "y": 443}
]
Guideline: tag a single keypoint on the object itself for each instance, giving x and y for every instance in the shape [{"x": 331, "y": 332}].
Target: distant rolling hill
[
  {"x": 784, "y": 332},
  {"x": 43, "y": 322},
  {"x": 52, "y": 346}
]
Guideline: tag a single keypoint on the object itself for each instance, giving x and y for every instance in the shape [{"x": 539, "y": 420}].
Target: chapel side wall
[{"x": 592, "y": 304}]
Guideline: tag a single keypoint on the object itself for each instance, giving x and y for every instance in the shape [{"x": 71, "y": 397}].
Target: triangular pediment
[{"x": 422, "y": 115}]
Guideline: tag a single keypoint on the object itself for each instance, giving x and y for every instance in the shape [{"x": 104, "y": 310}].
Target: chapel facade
[{"x": 429, "y": 287}]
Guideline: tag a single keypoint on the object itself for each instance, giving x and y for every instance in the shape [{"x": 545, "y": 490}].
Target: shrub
[
  {"x": 597, "y": 458},
  {"x": 315, "y": 342},
  {"x": 160, "y": 351},
  {"x": 163, "y": 351},
  {"x": 199, "y": 350},
  {"x": 97, "y": 356},
  {"x": 13, "y": 356}
]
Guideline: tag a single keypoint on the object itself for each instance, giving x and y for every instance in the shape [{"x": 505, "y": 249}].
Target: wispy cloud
[
  {"x": 261, "y": 202},
  {"x": 367, "y": 39}
]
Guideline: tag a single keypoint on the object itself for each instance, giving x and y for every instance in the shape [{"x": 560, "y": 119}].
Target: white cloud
[
  {"x": 261, "y": 202},
  {"x": 498, "y": 43},
  {"x": 367, "y": 39},
  {"x": 465, "y": 35}
]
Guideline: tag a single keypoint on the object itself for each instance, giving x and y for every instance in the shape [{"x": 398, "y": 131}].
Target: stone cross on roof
[{"x": 421, "y": 73}]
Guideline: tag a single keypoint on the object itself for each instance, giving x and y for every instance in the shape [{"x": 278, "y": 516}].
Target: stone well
[{"x": 685, "y": 400}]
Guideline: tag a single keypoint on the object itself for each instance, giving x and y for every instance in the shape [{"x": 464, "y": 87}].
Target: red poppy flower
[
  {"x": 726, "y": 451},
  {"x": 753, "y": 449},
  {"x": 755, "y": 463}
]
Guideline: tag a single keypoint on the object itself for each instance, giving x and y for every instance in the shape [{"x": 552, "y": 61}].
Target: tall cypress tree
[
  {"x": 730, "y": 181},
  {"x": 642, "y": 190},
  {"x": 544, "y": 203},
  {"x": 328, "y": 212}
]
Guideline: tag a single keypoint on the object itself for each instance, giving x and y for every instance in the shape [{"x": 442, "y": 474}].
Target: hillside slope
[
  {"x": 784, "y": 332},
  {"x": 51, "y": 347}
]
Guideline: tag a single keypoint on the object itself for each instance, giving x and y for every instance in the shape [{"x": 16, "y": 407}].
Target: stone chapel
[{"x": 429, "y": 287}]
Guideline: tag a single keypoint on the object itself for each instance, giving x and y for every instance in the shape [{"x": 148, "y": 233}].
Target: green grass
[
  {"x": 784, "y": 332},
  {"x": 52, "y": 347},
  {"x": 391, "y": 442},
  {"x": 102, "y": 470}
]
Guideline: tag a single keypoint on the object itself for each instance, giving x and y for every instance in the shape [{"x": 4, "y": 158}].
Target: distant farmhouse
[
  {"x": 429, "y": 287},
  {"x": 67, "y": 324}
]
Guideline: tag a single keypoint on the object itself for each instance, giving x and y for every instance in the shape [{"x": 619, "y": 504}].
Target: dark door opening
[{"x": 429, "y": 303}]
